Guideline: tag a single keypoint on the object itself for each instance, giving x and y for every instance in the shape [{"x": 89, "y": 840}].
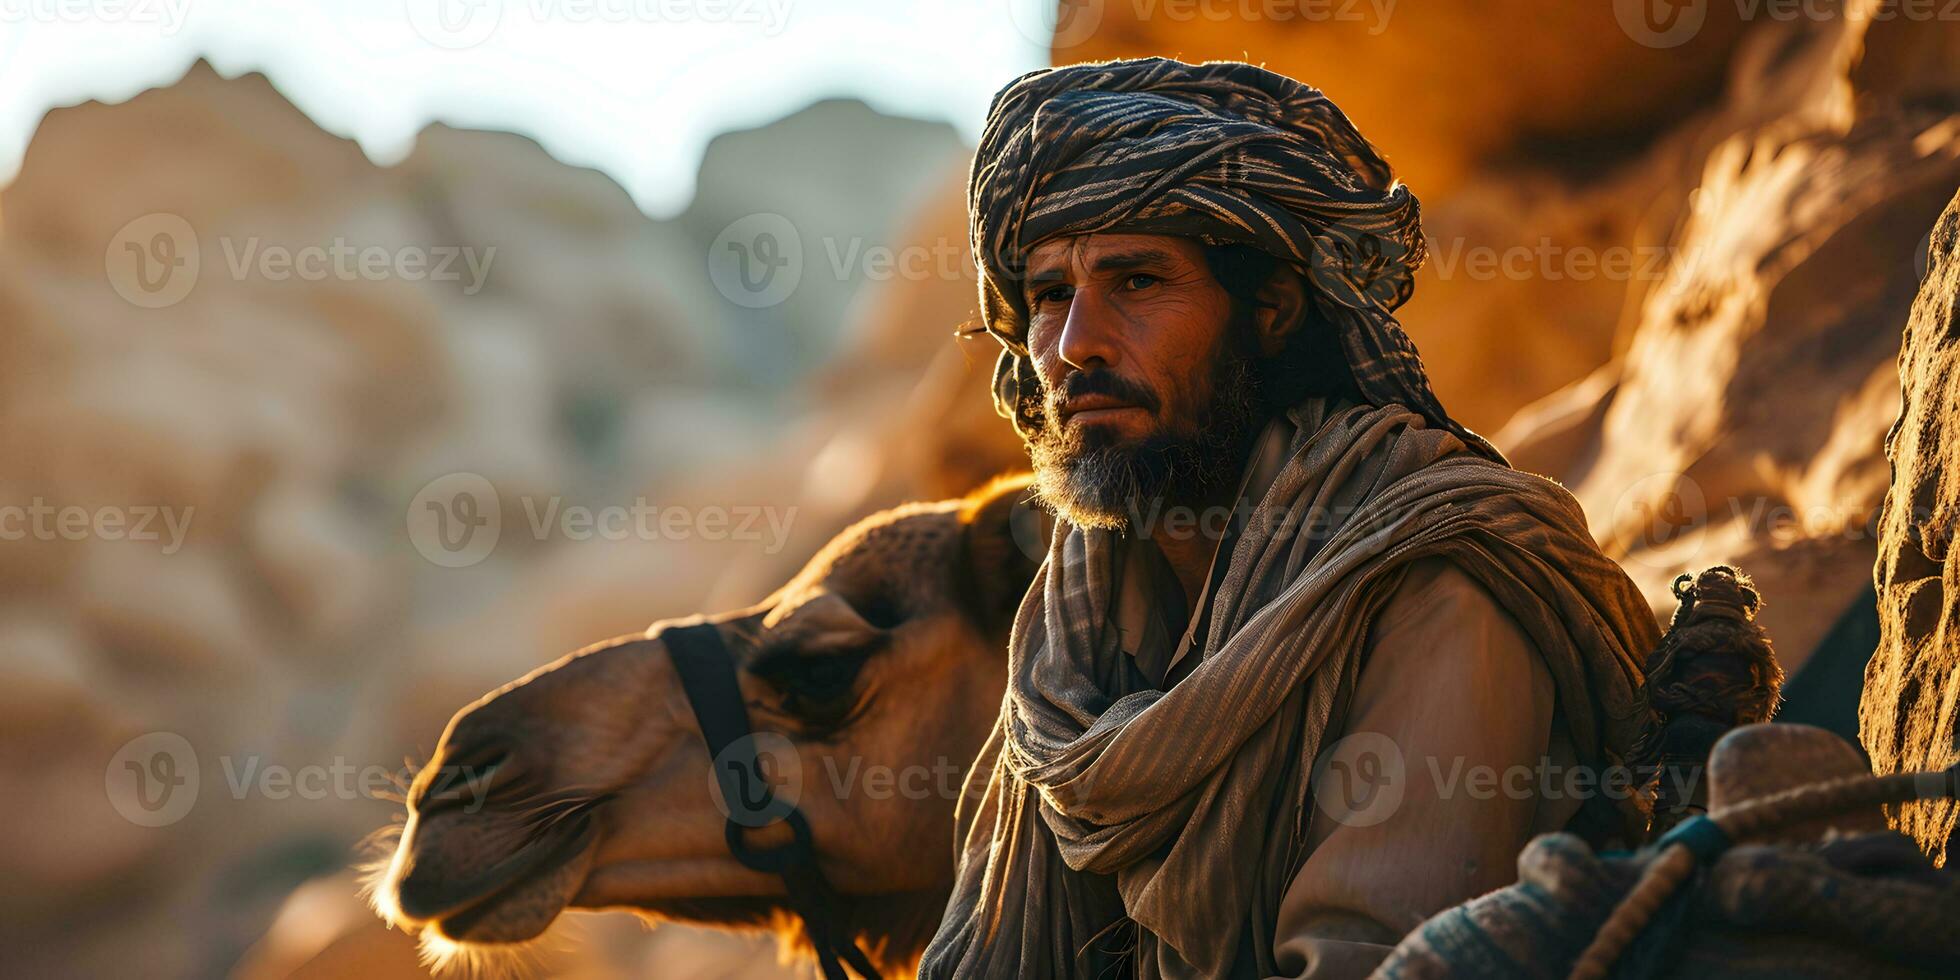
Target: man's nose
[{"x": 1089, "y": 334}]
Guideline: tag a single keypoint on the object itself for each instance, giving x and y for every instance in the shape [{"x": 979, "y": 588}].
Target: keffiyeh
[{"x": 1224, "y": 152}]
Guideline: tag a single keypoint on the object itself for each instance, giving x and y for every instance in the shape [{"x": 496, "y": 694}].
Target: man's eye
[
  {"x": 1141, "y": 280},
  {"x": 1053, "y": 294}
]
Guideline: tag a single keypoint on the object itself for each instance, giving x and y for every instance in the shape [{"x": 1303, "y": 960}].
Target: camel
[{"x": 878, "y": 669}]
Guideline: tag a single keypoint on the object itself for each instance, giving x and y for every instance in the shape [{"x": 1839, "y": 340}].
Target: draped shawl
[{"x": 1113, "y": 826}]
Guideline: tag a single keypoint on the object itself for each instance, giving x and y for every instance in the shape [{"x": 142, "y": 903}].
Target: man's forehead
[{"x": 1068, "y": 251}]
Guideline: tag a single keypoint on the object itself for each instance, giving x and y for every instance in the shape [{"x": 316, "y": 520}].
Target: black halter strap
[{"x": 709, "y": 680}]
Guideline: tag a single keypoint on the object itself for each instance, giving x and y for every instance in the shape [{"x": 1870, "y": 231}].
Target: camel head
[{"x": 871, "y": 679}]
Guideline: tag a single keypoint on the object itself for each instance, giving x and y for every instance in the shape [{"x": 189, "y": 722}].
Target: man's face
[{"x": 1147, "y": 393}]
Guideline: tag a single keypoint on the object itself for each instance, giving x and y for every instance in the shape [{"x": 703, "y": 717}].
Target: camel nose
[{"x": 472, "y": 770}]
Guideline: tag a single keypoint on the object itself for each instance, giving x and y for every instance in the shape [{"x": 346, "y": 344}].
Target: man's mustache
[{"x": 1081, "y": 384}]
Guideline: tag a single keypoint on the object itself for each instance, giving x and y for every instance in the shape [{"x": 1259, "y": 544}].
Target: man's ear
[
  {"x": 1281, "y": 307},
  {"x": 1005, "y": 538}
]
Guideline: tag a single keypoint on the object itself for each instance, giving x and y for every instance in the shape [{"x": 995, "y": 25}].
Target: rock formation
[
  {"x": 1909, "y": 720},
  {"x": 291, "y": 417},
  {"x": 1744, "y": 422}
]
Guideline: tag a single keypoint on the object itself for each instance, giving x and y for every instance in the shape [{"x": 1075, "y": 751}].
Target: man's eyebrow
[
  {"x": 1045, "y": 274},
  {"x": 1109, "y": 262},
  {"x": 1134, "y": 258}
]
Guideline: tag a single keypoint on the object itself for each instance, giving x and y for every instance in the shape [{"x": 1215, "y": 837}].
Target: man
[{"x": 1303, "y": 649}]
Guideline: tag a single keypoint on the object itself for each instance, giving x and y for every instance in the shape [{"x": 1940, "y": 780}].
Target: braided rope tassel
[{"x": 1704, "y": 839}]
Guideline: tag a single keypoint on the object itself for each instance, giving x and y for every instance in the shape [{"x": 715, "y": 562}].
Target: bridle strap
[{"x": 714, "y": 691}]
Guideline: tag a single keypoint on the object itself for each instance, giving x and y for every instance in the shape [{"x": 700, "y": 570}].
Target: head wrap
[{"x": 1224, "y": 152}]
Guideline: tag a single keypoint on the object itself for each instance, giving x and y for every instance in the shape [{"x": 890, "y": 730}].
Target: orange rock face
[
  {"x": 1534, "y": 134},
  {"x": 1743, "y": 423},
  {"x": 1908, "y": 718}
]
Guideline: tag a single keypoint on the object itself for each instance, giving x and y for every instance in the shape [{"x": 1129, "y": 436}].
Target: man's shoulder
[
  {"x": 1439, "y": 605},
  {"x": 1437, "y": 583}
]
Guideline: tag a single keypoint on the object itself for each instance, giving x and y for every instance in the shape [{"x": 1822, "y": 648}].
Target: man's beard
[{"x": 1094, "y": 481}]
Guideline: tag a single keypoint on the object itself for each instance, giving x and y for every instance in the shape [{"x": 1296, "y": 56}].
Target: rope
[{"x": 1703, "y": 839}]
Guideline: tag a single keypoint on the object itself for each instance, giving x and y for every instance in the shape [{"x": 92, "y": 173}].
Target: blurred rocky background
[{"x": 1671, "y": 269}]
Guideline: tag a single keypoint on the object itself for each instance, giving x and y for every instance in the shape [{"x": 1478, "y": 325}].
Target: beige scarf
[{"x": 1126, "y": 829}]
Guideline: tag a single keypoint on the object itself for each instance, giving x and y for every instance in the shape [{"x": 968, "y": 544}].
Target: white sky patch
[{"x": 635, "y": 88}]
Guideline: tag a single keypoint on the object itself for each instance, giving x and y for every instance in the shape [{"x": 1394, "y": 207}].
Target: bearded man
[{"x": 1305, "y": 654}]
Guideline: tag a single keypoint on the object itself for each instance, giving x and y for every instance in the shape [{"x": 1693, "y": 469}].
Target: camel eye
[
  {"x": 880, "y": 612},
  {"x": 819, "y": 690}
]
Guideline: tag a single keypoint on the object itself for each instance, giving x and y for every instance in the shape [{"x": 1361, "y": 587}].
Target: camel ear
[{"x": 1005, "y": 538}]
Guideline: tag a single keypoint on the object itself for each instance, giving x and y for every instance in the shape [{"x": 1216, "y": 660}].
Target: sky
[{"x": 635, "y": 88}]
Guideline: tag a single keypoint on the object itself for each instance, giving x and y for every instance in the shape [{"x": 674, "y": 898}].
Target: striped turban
[{"x": 1223, "y": 152}]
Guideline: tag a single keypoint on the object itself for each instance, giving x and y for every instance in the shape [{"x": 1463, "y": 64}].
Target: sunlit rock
[{"x": 1908, "y": 720}]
